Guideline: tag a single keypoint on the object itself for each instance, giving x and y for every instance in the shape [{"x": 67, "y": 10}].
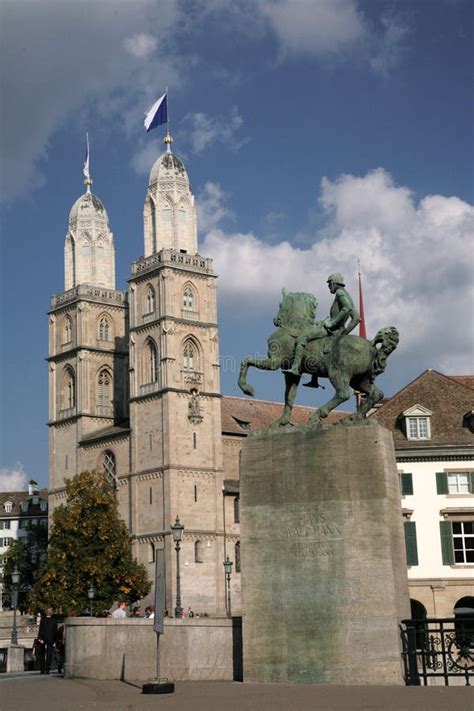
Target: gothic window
[
  {"x": 237, "y": 557},
  {"x": 236, "y": 509},
  {"x": 151, "y": 364},
  {"x": 198, "y": 552},
  {"x": 69, "y": 393},
  {"x": 151, "y": 552},
  {"x": 189, "y": 356},
  {"x": 104, "y": 329},
  {"x": 67, "y": 332},
  {"x": 150, "y": 300},
  {"x": 188, "y": 299},
  {"x": 104, "y": 388},
  {"x": 109, "y": 466}
]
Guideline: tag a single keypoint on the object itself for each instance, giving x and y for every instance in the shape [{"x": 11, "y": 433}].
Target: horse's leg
[
  {"x": 340, "y": 382},
  {"x": 291, "y": 388},
  {"x": 261, "y": 364},
  {"x": 373, "y": 396}
]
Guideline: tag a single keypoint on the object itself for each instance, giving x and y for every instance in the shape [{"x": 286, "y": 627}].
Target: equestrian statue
[{"x": 324, "y": 350}]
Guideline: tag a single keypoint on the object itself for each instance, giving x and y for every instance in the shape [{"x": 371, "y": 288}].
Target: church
[{"x": 134, "y": 390}]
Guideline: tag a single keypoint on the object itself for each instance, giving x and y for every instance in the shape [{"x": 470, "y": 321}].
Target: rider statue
[{"x": 342, "y": 309}]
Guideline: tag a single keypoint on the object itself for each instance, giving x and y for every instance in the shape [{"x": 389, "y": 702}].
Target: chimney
[{"x": 32, "y": 487}]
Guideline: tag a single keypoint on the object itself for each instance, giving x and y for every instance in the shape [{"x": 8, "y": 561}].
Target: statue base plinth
[{"x": 324, "y": 581}]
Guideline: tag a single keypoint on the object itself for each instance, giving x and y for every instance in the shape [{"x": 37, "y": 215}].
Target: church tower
[
  {"x": 88, "y": 355},
  {"x": 175, "y": 408}
]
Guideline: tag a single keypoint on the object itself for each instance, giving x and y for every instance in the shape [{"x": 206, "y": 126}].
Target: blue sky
[{"x": 314, "y": 132}]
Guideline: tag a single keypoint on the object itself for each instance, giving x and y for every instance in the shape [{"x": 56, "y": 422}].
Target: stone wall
[{"x": 196, "y": 649}]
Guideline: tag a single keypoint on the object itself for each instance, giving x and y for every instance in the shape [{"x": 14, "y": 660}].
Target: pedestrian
[
  {"x": 151, "y": 614},
  {"x": 120, "y": 612},
  {"x": 47, "y": 633},
  {"x": 190, "y": 612}
]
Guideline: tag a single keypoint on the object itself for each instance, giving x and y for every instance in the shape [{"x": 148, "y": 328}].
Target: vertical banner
[{"x": 159, "y": 590}]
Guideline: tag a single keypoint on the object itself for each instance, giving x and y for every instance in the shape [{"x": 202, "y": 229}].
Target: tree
[
  {"x": 28, "y": 554},
  {"x": 89, "y": 545}
]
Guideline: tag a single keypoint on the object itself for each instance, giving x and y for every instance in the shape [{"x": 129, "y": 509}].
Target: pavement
[{"x": 22, "y": 692}]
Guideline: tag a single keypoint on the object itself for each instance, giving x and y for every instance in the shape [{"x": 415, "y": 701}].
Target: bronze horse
[{"x": 347, "y": 361}]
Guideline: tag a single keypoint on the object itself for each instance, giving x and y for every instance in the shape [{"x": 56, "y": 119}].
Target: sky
[{"x": 314, "y": 133}]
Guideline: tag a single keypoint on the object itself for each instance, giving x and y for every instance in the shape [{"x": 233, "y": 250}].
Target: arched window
[
  {"x": 189, "y": 356},
  {"x": 418, "y": 613},
  {"x": 67, "y": 332},
  {"x": 150, "y": 300},
  {"x": 104, "y": 388},
  {"x": 69, "y": 393},
  {"x": 464, "y": 617},
  {"x": 8, "y": 506},
  {"x": 104, "y": 329},
  {"x": 237, "y": 557},
  {"x": 109, "y": 466},
  {"x": 198, "y": 552},
  {"x": 188, "y": 299},
  {"x": 151, "y": 364},
  {"x": 236, "y": 509}
]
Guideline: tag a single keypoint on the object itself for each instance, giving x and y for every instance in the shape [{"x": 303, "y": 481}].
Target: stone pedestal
[
  {"x": 324, "y": 582},
  {"x": 15, "y": 658}
]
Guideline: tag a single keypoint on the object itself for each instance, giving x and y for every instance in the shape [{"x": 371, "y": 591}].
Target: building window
[
  {"x": 194, "y": 440},
  {"x": 67, "y": 333},
  {"x": 460, "y": 482},
  {"x": 195, "y": 493},
  {"x": 237, "y": 557},
  {"x": 417, "y": 428},
  {"x": 406, "y": 484},
  {"x": 43, "y": 505},
  {"x": 152, "y": 362},
  {"x": 70, "y": 389},
  {"x": 150, "y": 300},
  {"x": 151, "y": 552},
  {"x": 188, "y": 299},
  {"x": 463, "y": 541},
  {"x": 104, "y": 329},
  {"x": 24, "y": 506},
  {"x": 189, "y": 356},
  {"x": 198, "y": 552},
  {"x": 236, "y": 509},
  {"x": 5, "y": 525},
  {"x": 410, "y": 542},
  {"x": 110, "y": 467},
  {"x": 104, "y": 389},
  {"x": 8, "y": 506}
]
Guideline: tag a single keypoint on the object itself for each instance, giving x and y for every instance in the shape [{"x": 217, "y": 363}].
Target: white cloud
[
  {"x": 416, "y": 258},
  {"x": 13, "y": 479},
  {"x": 202, "y": 130},
  {"x": 210, "y": 207},
  {"x": 140, "y": 45}
]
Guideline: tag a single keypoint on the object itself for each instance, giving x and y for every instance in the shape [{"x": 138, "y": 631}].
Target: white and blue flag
[
  {"x": 86, "y": 170},
  {"x": 157, "y": 114}
]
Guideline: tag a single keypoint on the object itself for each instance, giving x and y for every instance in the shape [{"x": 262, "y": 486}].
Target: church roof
[
  {"x": 86, "y": 206},
  {"x": 168, "y": 166},
  {"x": 240, "y": 415}
]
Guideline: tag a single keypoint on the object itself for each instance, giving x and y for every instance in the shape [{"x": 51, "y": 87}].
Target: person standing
[
  {"x": 47, "y": 633},
  {"x": 120, "y": 612}
]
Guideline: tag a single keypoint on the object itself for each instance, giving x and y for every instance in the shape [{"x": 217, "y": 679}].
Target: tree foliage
[
  {"x": 28, "y": 554},
  {"x": 89, "y": 545}
]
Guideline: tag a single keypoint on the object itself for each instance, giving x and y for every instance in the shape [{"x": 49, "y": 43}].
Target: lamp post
[
  {"x": 91, "y": 596},
  {"x": 15, "y": 581},
  {"x": 228, "y": 570},
  {"x": 177, "y": 531}
]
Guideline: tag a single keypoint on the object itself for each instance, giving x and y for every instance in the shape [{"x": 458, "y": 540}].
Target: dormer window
[
  {"x": 35, "y": 500},
  {"x": 417, "y": 422},
  {"x": 8, "y": 506},
  {"x": 43, "y": 505},
  {"x": 24, "y": 506}
]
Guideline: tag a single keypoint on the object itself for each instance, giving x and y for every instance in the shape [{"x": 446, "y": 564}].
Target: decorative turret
[
  {"x": 169, "y": 214},
  {"x": 89, "y": 254}
]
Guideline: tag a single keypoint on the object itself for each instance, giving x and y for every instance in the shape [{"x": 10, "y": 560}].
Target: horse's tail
[{"x": 388, "y": 339}]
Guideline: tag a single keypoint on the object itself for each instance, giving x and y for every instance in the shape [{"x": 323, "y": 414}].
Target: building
[
  {"x": 134, "y": 390},
  {"x": 18, "y": 510}
]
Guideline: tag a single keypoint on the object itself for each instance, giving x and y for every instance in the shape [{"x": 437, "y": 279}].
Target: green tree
[
  {"x": 28, "y": 554},
  {"x": 89, "y": 545}
]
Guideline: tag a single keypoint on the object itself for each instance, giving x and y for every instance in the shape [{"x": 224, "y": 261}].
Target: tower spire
[
  {"x": 362, "y": 331},
  {"x": 86, "y": 169}
]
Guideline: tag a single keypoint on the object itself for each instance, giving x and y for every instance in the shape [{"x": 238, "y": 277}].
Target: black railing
[{"x": 438, "y": 648}]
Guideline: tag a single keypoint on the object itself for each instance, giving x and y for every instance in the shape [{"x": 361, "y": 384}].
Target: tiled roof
[
  {"x": 239, "y": 415},
  {"x": 447, "y": 397},
  {"x": 467, "y": 380},
  {"x": 16, "y": 497}
]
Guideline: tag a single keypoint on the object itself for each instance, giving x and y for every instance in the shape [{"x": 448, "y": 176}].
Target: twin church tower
[{"x": 134, "y": 386}]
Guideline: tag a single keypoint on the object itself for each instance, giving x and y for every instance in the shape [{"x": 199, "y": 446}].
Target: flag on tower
[
  {"x": 85, "y": 170},
  {"x": 157, "y": 114},
  {"x": 362, "y": 331}
]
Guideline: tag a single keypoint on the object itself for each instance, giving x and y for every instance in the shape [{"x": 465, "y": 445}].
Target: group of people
[{"x": 121, "y": 612}]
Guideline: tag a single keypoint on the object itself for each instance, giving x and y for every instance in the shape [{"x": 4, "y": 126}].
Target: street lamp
[
  {"x": 177, "y": 531},
  {"x": 91, "y": 596},
  {"x": 15, "y": 581},
  {"x": 228, "y": 570}
]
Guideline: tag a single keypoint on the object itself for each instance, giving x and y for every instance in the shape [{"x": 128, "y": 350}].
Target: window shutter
[
  {"x": 471, "y": 482},
  {"x": 441, "y": 483},
  {"x": 407, "y": 484},
  {"x": 410, "y": 542},
  {"x": 446, "y": 542}
]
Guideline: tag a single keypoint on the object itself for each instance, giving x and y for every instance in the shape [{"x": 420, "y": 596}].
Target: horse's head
[{"x": 297, "y": 310}]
